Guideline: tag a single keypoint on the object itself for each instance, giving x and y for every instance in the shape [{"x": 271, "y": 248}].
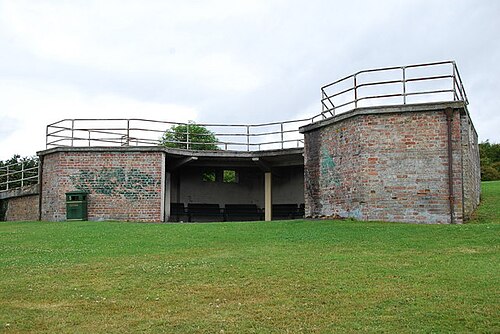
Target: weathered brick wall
[
  {"x": 331, "y": 158},
  {"x": 385, "y": 165},
  {"x": 122, "y": 185},
  {"x": 21, "y": 208},
  {"x": 19, "y": 203},
  {"x": 471, "y": 166}
]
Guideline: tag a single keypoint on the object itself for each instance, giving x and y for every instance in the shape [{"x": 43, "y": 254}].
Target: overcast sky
[{"x": 224, "y": 61}]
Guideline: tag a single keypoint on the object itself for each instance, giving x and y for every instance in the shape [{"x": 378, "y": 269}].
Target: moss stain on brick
[
  {"x": 329, "y": 174},
  {"x": 131, "y": 183}
]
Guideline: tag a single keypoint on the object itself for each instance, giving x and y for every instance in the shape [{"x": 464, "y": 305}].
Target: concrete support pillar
[
  {"x": 268, "y": 202},
  {"x": 168, "y": 183}
]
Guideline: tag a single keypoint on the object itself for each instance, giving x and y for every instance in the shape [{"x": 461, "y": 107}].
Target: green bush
[{"x": 488, "y": 173}]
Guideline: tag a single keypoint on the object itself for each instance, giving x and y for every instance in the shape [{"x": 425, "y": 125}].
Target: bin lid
[{"x": 77, "y": 192}]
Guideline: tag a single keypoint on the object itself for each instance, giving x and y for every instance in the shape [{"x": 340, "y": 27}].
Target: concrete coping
[
  {"x": 177, "y": 152},
  {"x": 416, "y": 107},
  {"x": 20, "y": 192}
]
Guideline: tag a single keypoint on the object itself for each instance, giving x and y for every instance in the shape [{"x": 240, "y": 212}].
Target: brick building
[
  {"x": 392, "y": 163},
  {"x": 409, "y": 155}
]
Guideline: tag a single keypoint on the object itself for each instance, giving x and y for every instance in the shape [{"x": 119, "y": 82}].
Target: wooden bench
[
  {"x": 204, "y": 212},
  {"x": 284, "y": 211},
  {"x": 238, "y": 212},
  {"x": 178, "y": 212}
]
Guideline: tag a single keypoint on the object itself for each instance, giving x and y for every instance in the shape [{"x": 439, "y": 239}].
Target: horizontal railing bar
[
  {"x": 327, "y": 97},
  {"x": 381, "y": 69},
  {"x": 173, "y": 132},
  {"x": 61, "y": 121},
  {"x": 444, "y": 62},
  {"x": 31, "y": 177},
  {"x": 98, "y": 129},
  {"x": 385, "y": 83},
  {"x": 60, "y": 130},
  {"x": 14, "y": 172},
  {"x": 180, "y": 123},
  {"x": 406, "y": 67},
  {"x": 430, "y": 78},
  {"x": 58, "y": 140},
  {"x": 432, "y": 92},
  {"x": 58, "y": 127},
  {"x": 380, "y": 96},
  {"x": 338, "y": 81},
  {"x": 380, "y": 83}
]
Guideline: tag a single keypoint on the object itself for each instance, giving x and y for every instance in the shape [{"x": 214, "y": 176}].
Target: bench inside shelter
[
  {"x": 231, "y": 212},
  {"x": 204, "y": 212},
  {"x": 178, "y": 212},
  {"x": 239, "y": 212},
  {"x": 285, "y": 211}
]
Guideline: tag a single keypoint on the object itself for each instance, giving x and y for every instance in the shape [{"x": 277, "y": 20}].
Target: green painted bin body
[{"x": 76, "y": 205}]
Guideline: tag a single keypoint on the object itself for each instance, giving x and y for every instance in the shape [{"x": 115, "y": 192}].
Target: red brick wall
[
  {"x": 125, "y": 185},
  {"x": 385, "y": 166}
]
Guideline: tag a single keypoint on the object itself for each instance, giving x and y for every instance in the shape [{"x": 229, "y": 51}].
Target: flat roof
[{"x": 270, "y": 158}]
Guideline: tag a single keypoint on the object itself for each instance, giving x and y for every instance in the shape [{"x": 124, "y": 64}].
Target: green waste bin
[{"x": 76, "y": 205}]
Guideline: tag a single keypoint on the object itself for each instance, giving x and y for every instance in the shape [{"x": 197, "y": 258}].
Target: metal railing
[
  {"x": 429, "y": 82},
  {"x": 18, "y": 175},
  {"x": 144, "y": 132}
]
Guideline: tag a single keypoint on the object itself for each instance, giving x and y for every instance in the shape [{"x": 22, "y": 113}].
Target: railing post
[
  {"x": 248, "y": 138},
  {"x": 89, "y": 136},
  {"x": 455, "y": 95},
  {"x": 22, "y": 174},
  {"x": 72, "y": 131},
  {"x": 323, "y": 109},
  {"x": 282, "y": 135},
  {"x": 187, "y": 136},
  {"x": 404, "y": 84},
  {"x": 7, "y": 175},
  {"x": 127, "y": 141},
  {"x": 47, "y": 137},
  {"x": 355, "y": 92}
]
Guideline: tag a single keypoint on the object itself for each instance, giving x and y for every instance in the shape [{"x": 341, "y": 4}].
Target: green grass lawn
[{"x": 279, "y": 277}]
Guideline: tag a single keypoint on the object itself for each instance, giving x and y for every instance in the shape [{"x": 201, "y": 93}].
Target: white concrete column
[{"x": 268, "y": 202}]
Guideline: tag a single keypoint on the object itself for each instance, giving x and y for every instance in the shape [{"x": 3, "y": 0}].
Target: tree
[
  {"x": 490, "y": 161},
  {"x": 189, "y": 136}
]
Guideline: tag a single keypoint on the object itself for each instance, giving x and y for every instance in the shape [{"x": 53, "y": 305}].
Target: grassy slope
[
  {"x": 297, "y": 277},
  {"x": 489, "y": 210}
]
